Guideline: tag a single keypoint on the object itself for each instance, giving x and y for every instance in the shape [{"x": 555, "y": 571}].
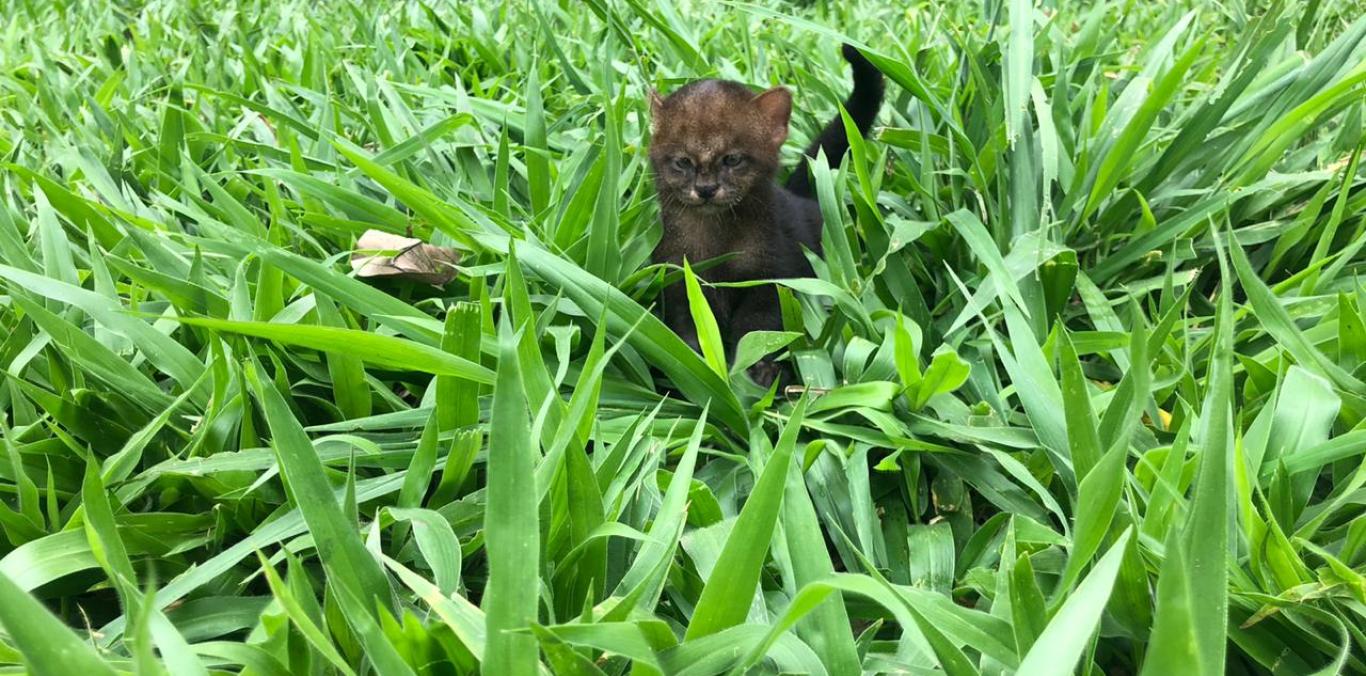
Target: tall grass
[{"x": 1081, "y": 375}]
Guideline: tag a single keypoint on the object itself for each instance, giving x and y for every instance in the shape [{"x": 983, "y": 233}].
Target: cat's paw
[{"x": 765, "y": 372}]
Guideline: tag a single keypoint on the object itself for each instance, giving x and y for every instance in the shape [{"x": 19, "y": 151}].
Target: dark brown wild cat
[{"x": 715, "y": 152}]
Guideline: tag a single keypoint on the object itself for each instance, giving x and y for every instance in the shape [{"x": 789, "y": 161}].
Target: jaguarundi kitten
[{"x": 715, "y": 154}]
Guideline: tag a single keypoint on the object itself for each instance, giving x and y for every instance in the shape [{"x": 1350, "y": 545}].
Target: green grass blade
[
  {"x": 510, "y": 522},
  {"x": 1064, "y": 640},
  {"x": 708, "y": 334},
  {"x": 374, "y": 348},
  {"x": 726, "y": 597},
  {"x": 48, "y": 646},
  {"x": 1189, "y": 627},
  {"x": 339, "y": 545}
]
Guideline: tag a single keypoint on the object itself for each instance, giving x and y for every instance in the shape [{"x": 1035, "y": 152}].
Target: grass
[{"x": 1083, "y": 366}]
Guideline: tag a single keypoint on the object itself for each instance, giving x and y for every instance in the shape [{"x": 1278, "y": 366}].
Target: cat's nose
[{"x": 706, "y": 192}]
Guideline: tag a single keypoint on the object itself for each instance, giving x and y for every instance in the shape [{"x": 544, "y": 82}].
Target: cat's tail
[{"x": 862, "y": 105}]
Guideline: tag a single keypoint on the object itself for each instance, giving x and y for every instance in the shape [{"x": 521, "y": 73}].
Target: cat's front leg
[
  {"x": 678, "y": 317},
  {"x": 757, "y": 309}
]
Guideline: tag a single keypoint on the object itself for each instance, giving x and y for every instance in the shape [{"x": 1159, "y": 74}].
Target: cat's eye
[
  {"x": 682, "y": 163},
  {"x": 733, "y": 160}
]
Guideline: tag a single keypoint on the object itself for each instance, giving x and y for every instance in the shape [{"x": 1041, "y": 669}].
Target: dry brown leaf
[{"x": 383, "y": 254}]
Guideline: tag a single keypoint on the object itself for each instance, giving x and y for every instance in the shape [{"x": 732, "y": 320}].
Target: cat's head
[{"x": 713, "y": 141}]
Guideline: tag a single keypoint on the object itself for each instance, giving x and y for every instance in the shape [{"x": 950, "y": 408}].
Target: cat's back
[{"x": 800, "y": 218}]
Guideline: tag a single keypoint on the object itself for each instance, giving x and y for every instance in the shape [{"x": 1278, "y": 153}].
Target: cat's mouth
[
  {"x": 710, "y": 208},
  {"x": 718, "y": 202}
]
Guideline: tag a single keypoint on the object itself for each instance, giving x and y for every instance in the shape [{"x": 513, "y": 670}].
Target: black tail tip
[
  {"x": 855, "y": 57},
  {"x": 866, "y": 75}
]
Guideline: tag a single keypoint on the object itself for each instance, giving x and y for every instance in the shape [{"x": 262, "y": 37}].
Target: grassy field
[{"x": 1082, "y": 373}]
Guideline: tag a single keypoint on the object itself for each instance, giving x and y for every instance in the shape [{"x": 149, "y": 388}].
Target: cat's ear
[
  {"x": 656, "y": 107},
  {"x": 775, "y": 110}
]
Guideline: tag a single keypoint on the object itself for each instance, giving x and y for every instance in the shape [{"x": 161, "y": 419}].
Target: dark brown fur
[{"x": 715, "y": 153}]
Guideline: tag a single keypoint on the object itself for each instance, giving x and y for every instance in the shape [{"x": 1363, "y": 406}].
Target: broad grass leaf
[
  {"x": 975, "y": 235},
  {"x": 38, "y": 562},
  {"x": 511, "y": 530},
  {"x": 1341, "y": 447},
  {"x": 537, "y": 163},
  {"x": 1083, "y": 441},
  {"x": 726, "y": 598},
  {"x": 931, "y": 559},
  {"x": 353, "y": 293},
  {"x": 561, "y": 657},
  {"x": 442, "y": 216},
  {"x": 641, "y": 641},
  {"x": 826, "y": 629},
  {"x": 1028, "y": 609},
  {"x": 457, "y": 399},
  {"x": 119, "y": 466},
  {"x": 1305, "y": 409},
  {"x": 350, "y": 391},
  {"x": 339, "y": 545},
  {"x": 49, "y": 647},
  {"x": 1031, "y": 256},
  {"x": 375, "y": 348},
  {"x": 586, "y": 514},
  {"x": 163, "y": 351},
  {"x": 288, "y": 525},
  {"x": 463, "y": 618},
  {"x": 301, "y": 618},
  {"x": 105, "y": 543},
  {"x": 1262, "y": 154},
  {"x": 26, "y": 490},
  {"x": 1064, "y": 640},
  {"x": 722, "y": 651},
  {"x": 1017, "y": 75},
  {"x": 1351, "y": 334},
  {"x": 249, "y": 656},
  {"x": 366, "y": 628},
  {"x": 1189, "y": 626},
  {"x": 1128, "y": 402},
  {"x": 604, "y": 247},
  {"x": 1272, "y": 315},
  {"x": 1119, "y": 156},
  {"x": 356, "y": 206},
  {"x": 960, "y": 626},
  {"x": 536, "y": 377},
  {"x": 98, "y": 360},
  {"x": 946, "y": 373},
  {"x": 1098, "y": 497},
  {"x": 418, "y": 478},
  {"x": 839, "y": 250},
  {"x": 708, "y": 334},
  {"x": 756, "y": 345},
  {"x": 875, "y": 395},
  {"x": 643, "y": 582},
  {"x": 417, "y": 142}
]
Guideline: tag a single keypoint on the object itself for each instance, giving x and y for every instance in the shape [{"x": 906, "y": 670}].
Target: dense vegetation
[{"x": 1081, "y": 376}]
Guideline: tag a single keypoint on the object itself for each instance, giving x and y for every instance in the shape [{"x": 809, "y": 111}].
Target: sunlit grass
[{"x": 1081, "y": 376}]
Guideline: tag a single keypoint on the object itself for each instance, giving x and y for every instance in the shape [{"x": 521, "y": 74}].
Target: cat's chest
[{"x": 743, "y": 243}]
